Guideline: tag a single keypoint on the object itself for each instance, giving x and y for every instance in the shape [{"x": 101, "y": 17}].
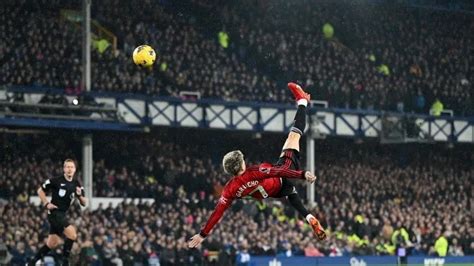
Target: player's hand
[
  {"x": 51, "y": 206},
  {"x": 310, "y": 177},
  {"x": 195, "y": 241}
]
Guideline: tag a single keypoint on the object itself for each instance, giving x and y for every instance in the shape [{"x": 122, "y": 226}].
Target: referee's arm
[
  {"x": 42, "y": 196},
  {"x": 81, "y": 196},
  {"x": 44, "y": 201}
]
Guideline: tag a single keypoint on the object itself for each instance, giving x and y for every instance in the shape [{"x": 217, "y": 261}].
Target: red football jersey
[{"x": 259, "y": 182}]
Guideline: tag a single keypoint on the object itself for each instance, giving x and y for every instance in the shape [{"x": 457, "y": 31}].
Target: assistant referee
[{"x": 63, "y": 191}]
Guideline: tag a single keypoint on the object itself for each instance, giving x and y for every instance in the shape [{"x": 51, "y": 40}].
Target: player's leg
[
  {"x": 299, "y": 124},
  {"x": 291, "y": 148},
  {"x": 288, "y": 190},
  {"x": 290, "y": 156},
  {"x": 51, "y": 243},
  {"x": 71, "y": 236},
  {"x": 292, "y": 142}
]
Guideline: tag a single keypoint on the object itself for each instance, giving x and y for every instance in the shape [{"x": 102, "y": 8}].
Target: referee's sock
[
  {"x": 300, "y": 120},
  {"x": 41, "y": 252},
  {"x": 67, "y": 247}
]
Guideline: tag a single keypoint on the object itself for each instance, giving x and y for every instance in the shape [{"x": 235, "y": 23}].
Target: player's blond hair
[{"x": 232, "y": 162}]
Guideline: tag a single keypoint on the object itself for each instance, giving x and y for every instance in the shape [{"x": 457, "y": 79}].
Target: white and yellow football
[{"x": 144, "y": 56}]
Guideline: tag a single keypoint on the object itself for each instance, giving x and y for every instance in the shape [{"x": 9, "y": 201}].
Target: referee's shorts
[{"x": 57, "y": 222}]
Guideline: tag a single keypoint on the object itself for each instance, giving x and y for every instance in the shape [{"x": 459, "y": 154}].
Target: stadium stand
[{"x": 380, "y": 57}]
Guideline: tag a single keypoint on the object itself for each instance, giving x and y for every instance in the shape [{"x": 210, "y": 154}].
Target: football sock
[
  {"x": 41, "y": 252},
  {"x": 309, "y": 216},
  {"x": 67, "y": 247},
  {"x": 300, "y": 120},
  {"x": 295, "y": 201}
]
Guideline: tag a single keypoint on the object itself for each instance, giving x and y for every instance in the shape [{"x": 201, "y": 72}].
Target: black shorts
[
  {"x": 292, "y": 158},
  {"x": 57, "y": 222}
]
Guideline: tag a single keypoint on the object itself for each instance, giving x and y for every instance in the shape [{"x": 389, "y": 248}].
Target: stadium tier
[{"x": 383, "y": 57}]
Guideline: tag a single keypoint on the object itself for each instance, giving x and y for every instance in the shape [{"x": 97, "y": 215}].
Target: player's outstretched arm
[
  {"x": 288, "y": 173},
  {"x": 310, "y": 177},
  {"x": 222, "y": 205},
  {"x": 267, "y": 170},
  {"x": 195, "y": 241}
]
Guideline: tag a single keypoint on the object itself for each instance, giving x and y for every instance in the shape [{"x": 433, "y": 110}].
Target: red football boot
[
  {"x": 317, "y": 228},
  {"x": 298, "y": 92}
]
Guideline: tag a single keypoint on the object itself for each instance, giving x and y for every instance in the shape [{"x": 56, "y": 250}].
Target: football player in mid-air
[{"x": 267, "y": 180}]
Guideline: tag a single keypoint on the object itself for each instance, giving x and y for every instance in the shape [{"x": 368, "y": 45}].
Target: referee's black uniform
[{"x": 63, "y": 193}]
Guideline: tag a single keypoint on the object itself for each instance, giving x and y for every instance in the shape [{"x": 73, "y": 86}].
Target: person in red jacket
[{"x": 267, "y": 180}]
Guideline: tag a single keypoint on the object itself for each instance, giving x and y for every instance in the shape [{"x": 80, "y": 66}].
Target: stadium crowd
[
  {"x": 372, "y": 200},
  {"x": 427, "y": 55}
]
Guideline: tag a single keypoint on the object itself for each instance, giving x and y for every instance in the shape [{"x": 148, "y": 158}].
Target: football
[{"x": 144, "y": 56}]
